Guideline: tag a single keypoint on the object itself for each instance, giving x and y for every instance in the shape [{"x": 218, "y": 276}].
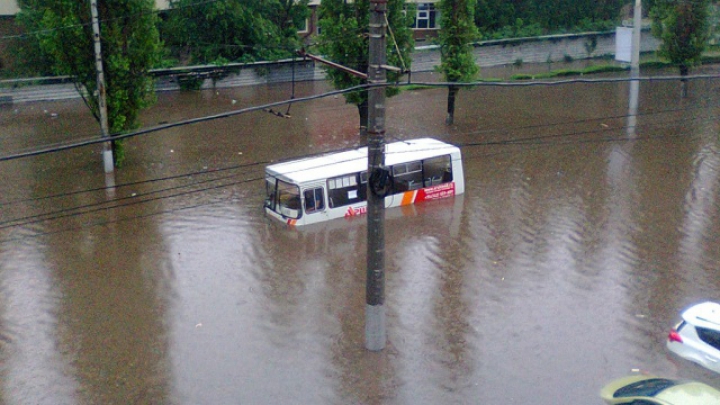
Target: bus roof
[{"x": 354, "y": 161}]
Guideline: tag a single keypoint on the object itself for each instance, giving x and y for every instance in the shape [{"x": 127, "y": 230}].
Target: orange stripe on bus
[{"x": 408, "y": 197}]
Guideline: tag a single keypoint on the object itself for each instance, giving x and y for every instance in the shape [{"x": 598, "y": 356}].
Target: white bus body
[{"x": 334, "y": 185}]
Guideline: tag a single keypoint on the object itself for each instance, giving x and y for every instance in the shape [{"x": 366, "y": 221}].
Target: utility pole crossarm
[{"x": 333, "y": 64}]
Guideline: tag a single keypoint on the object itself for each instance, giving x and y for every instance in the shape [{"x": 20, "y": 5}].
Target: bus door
[{"x": 314, "y": 200}]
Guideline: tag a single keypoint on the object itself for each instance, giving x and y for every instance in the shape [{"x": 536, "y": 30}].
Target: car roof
[
  {"x": 690, "y": 393},
  {"x": 663, "y": 390},
  {"x": 704, "y": 315}
]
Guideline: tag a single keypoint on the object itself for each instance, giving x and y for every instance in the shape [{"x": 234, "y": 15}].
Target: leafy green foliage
[
  {"x": 457, "y": 33},
  {"x": 31, "y": 61},
  {"x": 683, "y": 27},
  {"x": 62, "y": 33},
  {"x": 234, "y": 30},
  {"x": 344, "y": 40},
  {"x": 524, "y": 18}
]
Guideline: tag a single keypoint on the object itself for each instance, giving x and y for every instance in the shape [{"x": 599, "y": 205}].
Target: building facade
[
  {"x": 8, "y": 8},
  {"x": 427, "y": 17},
  {"x": 425, "y": 25}
]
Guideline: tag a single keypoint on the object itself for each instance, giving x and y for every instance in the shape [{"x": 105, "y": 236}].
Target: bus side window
[
  {"x": 345, "y": 190},
  {"x": 407, "y": 176},
  {"x": 362, "y": 191},
  {"x": 314, "y": 200},
  {"x": 437, "y": 170}
]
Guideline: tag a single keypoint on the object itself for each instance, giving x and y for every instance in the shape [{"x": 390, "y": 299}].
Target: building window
[
  {"x": 426, "y": 16},
  {"x": 303, "y": 28}
]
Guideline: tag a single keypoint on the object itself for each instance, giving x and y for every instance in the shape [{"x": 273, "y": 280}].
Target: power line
[
  {"x": 177, "y": 124},
  {"x": 130, "y": 184},
  {"x": 102, "y": 223},
  {"x": 509, "y": 130},
  {"x": 69, "y": 213},
  {"x": 531, "y": 83},
  {"x": 77, "y": 144},
  {"x": 539, "y": 140},
  {"x": 98, "y": 207},
  {"x": 52, "y": 215}
]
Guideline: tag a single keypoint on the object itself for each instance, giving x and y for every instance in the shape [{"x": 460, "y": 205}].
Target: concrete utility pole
[
  {"x": 637, "y": 26},
  {"x": 102, "y": 103},
  {"x": 375, "y": 335},
  {"x": 635, "y": 69}
]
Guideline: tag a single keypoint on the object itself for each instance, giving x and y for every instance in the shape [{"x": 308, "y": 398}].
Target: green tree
[
  {"x": 234, "y": 30},
  {"x": 62, "y": 32},
  {"x": 513, "y": 18},
  {"x": 344, "y": 40},
  {"x": 494, "y": 15},
  {"x": 457, "y": 33},
  {"x": 682, "y": 25}
]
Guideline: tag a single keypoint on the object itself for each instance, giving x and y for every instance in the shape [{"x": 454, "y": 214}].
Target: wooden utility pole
[
  {"x": 107, "y": 152},
  {"x": 375, "y": 335}
]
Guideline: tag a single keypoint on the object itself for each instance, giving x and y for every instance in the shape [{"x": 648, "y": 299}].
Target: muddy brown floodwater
[{"x": 563, "y": 266}]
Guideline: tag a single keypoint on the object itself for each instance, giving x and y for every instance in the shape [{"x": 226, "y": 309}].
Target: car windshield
[{"x": 644, "y": 388}]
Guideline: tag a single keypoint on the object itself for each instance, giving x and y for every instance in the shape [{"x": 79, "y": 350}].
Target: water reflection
[
  {"x": 110, "y": 315},
  {"x": 32, "y": 369},
  {"x": 431, "y": 304},
  {"x": 633, "y": 101}
]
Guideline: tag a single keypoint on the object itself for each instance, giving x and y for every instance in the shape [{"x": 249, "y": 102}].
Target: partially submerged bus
[{"x": 317, "y": 189}]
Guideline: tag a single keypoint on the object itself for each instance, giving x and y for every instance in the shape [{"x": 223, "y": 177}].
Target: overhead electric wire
[
  {"x": 505, "y": 130},
  {"x": 539, "y": 140},
  {"x": 513, "y": 129},
  {"x": 97, "y": 207},
  {"x": 130, "y": 184},
  {"x": 526, "y": 141},
  {"x": 46, "y": 216},
  {"x": 131, "y": 218},
  {"x": 179, "y": 123},
  {"x": 101, "y": 223},
  {"x": 523, "y": 141},
  {"x": 339, "y": 92},
  {"x": 531, "y": 83},
  {"x": 93, "y": 139}
]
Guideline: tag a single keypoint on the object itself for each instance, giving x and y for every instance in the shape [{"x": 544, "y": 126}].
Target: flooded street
[{"x": 576, "y": 245}]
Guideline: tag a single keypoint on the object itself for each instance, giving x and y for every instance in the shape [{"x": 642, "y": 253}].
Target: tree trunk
[
  {"x": 684, "y": 70},
  {"x": 363, "y": 111},
  {"x": 452, "y": 92},
  {"x": 118, "y": 148}
]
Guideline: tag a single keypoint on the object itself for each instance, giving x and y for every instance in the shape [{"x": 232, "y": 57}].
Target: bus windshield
[{"x": 283, "y": 198}]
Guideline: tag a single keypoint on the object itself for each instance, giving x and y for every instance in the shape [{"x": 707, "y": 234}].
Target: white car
[{"x": 697, "y": 336}]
